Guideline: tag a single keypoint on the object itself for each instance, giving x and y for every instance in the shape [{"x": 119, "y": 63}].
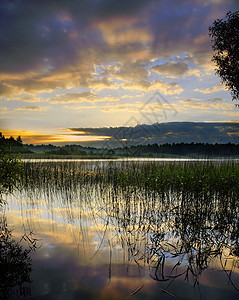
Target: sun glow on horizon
[{"x": 29, "y": 137}]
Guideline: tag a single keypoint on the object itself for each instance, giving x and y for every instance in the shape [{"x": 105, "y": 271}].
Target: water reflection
[
  {"x": 169, "y": 231},
  {"x": 15, "y": 264}
]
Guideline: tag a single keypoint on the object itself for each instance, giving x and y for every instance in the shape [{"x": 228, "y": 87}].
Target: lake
[{"x": 123, "y": 229}]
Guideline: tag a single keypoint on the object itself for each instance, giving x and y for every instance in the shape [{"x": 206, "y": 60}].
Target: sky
[{"x": 107, "y": 63}]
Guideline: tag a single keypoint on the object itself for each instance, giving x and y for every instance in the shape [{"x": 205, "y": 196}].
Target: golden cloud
[
  {"x": 121, "y": 107},
  {"x": 32, "y": 86},
  {"x": 137, "y": 85},
  {"x": 174, "y": 69},
  {"x": 72, "y": 97},
  {"x": 140, "y": 107},
  {"x": 123, "y": 30},
  {"x": 64, "y": 137},
  {"x": 7, "y": 90},
  {"x": 82, "y": 107},
  {"x": 130, "y": 71},
  {"x": 67, "y": 60},
  {"x": 82, "y": 97},
  {"x": 171, "y": 68},
  {"x": 208, "y": 104},
  {"x": 172, "y": 88},
  {"x": 25, "y": 98},
  {"x": 212, "y": 89},
  {"x": 102, "y": 84},
  {"x": 32, "y": 108}
]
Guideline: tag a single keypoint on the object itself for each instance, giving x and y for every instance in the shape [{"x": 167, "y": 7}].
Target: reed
[{"x": 186, "y": 212}]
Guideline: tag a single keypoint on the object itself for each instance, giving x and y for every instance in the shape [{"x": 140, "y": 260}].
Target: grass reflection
[
  {"x": 15, "y": 263},
  {"x": 180, "y": 215}
]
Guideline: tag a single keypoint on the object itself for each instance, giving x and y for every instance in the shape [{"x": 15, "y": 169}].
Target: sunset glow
[{"x": 74, "y": 65}]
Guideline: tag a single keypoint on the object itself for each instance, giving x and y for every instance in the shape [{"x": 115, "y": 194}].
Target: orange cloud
[
  {"x": 29, "y": 137},
  {"x": 32, "y": 108},
  {"x": 124, "y": 30},
  {"x": 81, "y": 97},
  {"x": 212, "y": 89},
  {"x": 167, "y": 88}
]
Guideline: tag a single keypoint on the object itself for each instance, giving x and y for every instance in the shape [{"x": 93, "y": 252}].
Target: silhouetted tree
[
  {"x": 225, "y": 42},
  {"x": 19, "y": 139}
]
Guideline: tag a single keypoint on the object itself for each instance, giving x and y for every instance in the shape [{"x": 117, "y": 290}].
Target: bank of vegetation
[{"x": 190, "y": 150}]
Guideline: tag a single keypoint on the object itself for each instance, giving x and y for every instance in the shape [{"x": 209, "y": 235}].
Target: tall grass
[{"x": 183, "y": 211}]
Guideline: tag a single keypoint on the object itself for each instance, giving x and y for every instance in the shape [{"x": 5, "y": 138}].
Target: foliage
[
  {"x": 225, "y": 41},
  {"x": 15, "y": 265},
  {"x": 194, "y": 150},
  {"x": 65, "y": 151},
  {"x": 13, "y": 145},
  {"x": 15, "y": 262},
  {"x": 10, "y": 172},
  {"x": 184, "y": 149}
]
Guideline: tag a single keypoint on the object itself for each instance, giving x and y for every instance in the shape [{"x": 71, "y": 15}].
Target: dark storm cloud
[
  {"x": 33, "y": 33},
  {"x": 57, "y": 36},
  {"x": 172, "y": 132},
  {"x": 182, "y": 27},
  {"x": 111, "y": 8}
]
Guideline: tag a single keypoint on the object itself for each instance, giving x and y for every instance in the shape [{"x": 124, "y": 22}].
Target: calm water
[{"x": 97, "y": 240}]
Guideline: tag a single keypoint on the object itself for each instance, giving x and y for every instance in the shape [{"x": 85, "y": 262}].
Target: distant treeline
[
  {"x": 154, "y": 150},
  {"x": 186, "y": 149},
  {"x": 12, "y": 145},
  {"x": 150, "y": 150}
]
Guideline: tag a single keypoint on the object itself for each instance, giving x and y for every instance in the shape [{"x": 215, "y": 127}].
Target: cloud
[
  {"x": 167, "y": 132},
  {"x": 174, "y": 69},
  {"x": 107, "y": 99},
  {"x": 51, "y": 36},
  {"x": 55, "y": 45},
  {"x": 182, "y": 27},
  {"x": 132, "y": 96},
  {"x": 114, "y": 8},
  {"x": 101, "y": 84},
  {"x": 124, "y": 31},
  {"x": 137, "y": 85},
  {"x": 72, "y": 97},
  {"x": 25, "y": 98},
  {"x": 172, "y": 88},
  {"x": 31, "y": 137},
  {"x": 31, "y": 83},
  {"x": 57, "y": 137},
  {"x": 212, "y": 89},
  {"x": 232, "y": 113},
  {"x": 32, "y": 108},
  {"x": 128, "y": 71},
  {"x": 171, "y": 68},
  {"x": 140, "y": 107},
  {"x": 81, "y": 97},
  {"x": 215, "y": 100},
  {"x": 7, "y": 90},
  {"x": 212, "y": 104},
  {"x": 121, "y": 107},
  {"x": 82, "y": 107},
  {"x": 193, "y": 72}
]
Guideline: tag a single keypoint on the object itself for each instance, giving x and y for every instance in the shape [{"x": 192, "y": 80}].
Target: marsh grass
[
  {"x": 10, "y": 173},
  {"x": 185, "y": 213}
]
